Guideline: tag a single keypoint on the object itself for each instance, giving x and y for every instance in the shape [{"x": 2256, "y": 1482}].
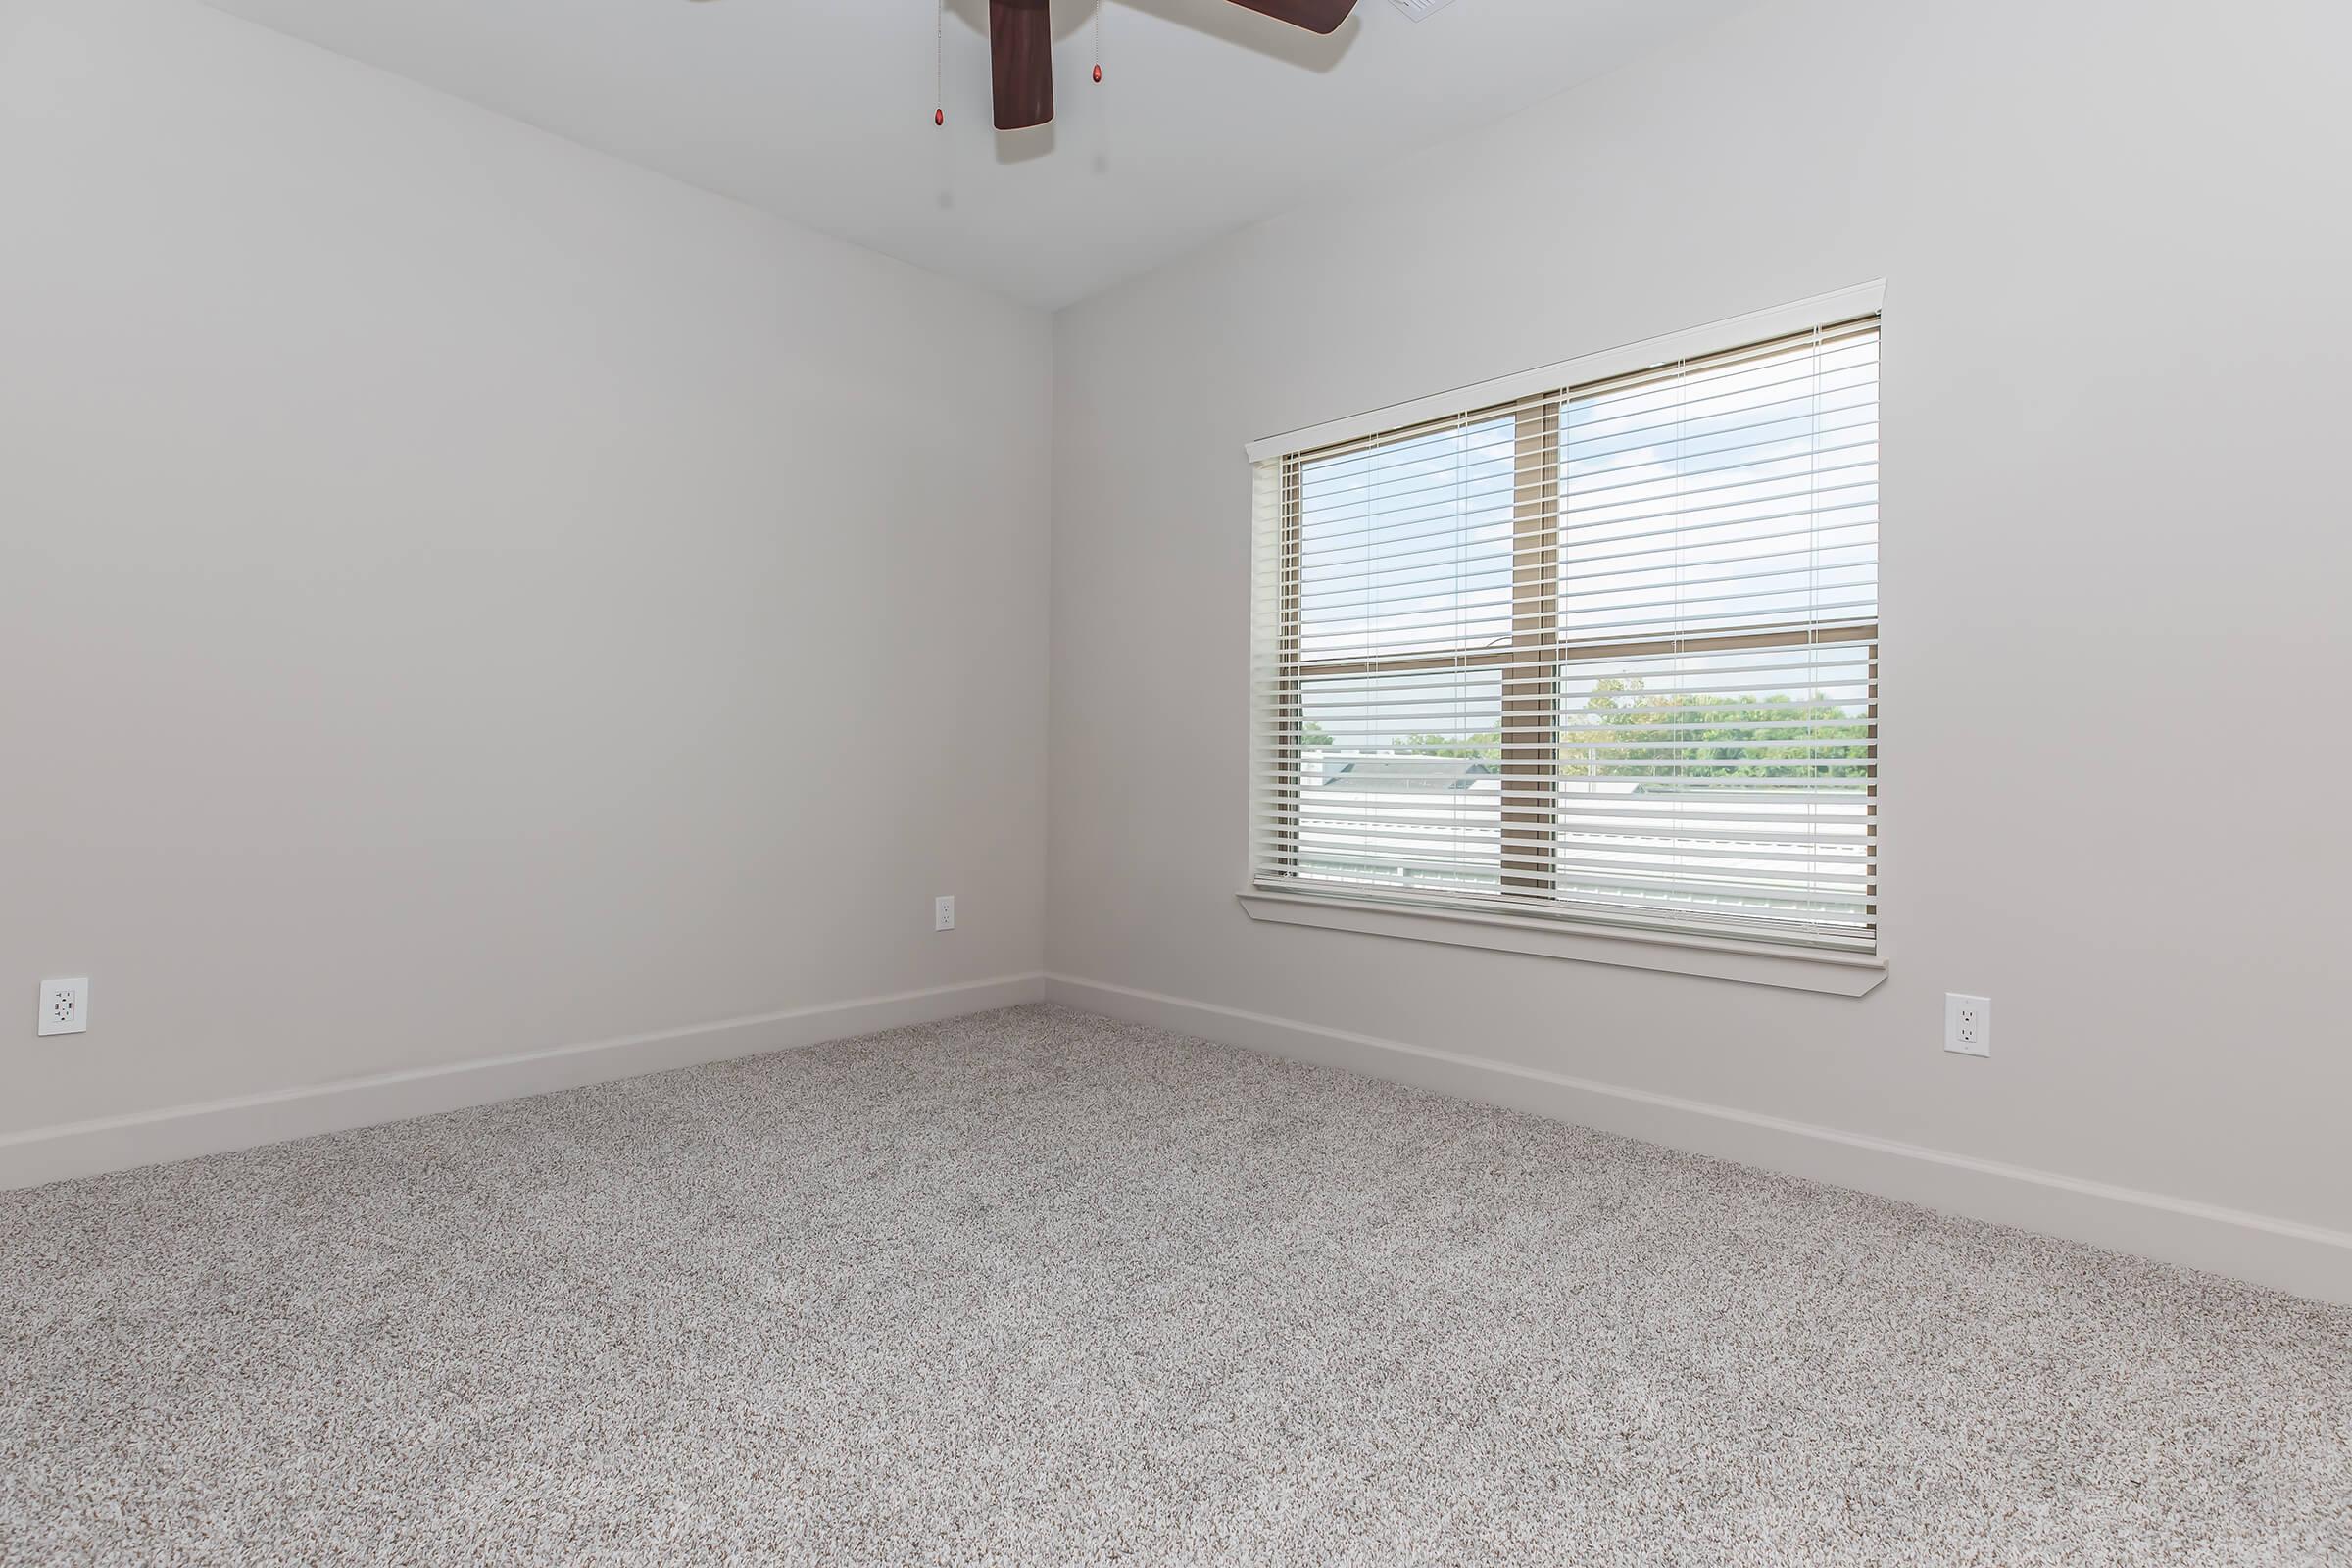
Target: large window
[{"x": 1601, "y": 654}]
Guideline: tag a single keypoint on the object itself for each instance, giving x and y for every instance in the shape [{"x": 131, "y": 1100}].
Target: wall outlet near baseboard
[
  {"x": 942, "y": 913},
  {"x": 1968, "y": 1024},
  {"x": 65, "y": 1006}
]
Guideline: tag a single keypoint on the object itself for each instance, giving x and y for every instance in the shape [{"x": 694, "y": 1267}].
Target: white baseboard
[
  {"x": 2286, "y": 1254},
  {"x": 184, "y": 1132}
]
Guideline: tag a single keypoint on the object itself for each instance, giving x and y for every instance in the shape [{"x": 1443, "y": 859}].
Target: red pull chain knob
[
  {"x": 1097, "y": 73},
  {"x": 939, "y": 116}
]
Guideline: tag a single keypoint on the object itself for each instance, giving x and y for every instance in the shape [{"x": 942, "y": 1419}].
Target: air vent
[{"x": 1418, "y": 9}]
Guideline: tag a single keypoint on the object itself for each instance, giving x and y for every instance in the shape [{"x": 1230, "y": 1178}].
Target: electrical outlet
[
  {"x": 1968, "y": 1025},
  {"x": 65, "y": 1006},
  {"x": 942, "y": 913}
]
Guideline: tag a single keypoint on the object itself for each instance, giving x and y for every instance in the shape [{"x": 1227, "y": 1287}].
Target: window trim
[
  {"x": 1737, "y": 331},
  {"x": 1844, "y": 974},
  {"x": 1534, "y": 594}
]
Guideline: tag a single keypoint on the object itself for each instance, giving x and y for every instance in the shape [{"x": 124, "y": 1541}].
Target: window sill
[{"x": 1843, "y": 974}]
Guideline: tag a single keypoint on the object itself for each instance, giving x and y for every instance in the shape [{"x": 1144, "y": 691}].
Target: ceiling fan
[{"x": 1020, "y": 41}]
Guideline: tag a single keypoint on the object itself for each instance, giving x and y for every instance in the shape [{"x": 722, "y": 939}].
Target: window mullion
[
  {"x": 1289, "y": 698},
  {"x": 1531, "y": 688}
]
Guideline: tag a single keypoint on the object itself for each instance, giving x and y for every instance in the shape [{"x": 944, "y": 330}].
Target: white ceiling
[{"x": 1210, "y": 116}]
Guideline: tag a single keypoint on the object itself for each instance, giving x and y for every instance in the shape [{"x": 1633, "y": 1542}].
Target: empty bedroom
[{"x": 1375, "y": 782}]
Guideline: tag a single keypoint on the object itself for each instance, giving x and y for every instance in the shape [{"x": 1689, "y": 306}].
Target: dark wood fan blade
[
  {"x": 1316, "y": 16},
  {"x": 1020, "y": 40}
]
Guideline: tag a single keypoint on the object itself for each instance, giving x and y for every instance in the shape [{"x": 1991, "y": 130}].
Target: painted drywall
[
  {"x": 462, "y": 596},
  {"x": 2117, "y": 347}
]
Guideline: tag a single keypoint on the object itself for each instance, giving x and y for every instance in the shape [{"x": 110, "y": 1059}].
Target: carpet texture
[{"x": 1035, "y": 1287}]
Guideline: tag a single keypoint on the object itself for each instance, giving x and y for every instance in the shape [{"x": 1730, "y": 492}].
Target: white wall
[
  {"x": 2118, "y": 350},
  {"x": 460, "y": 595}
]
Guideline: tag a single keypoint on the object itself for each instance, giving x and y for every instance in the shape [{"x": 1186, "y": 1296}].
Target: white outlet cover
[
  {"x": 942, "y": 913},
  {"x": 1968, "y": 1025},
  {"x": 65, "y": 1006}
]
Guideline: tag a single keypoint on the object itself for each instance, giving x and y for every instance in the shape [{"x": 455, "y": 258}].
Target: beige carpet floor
[{"x": 1035, "y": 1287}]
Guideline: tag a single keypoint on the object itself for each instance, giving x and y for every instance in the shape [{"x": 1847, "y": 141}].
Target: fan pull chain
[
  {"x": 938, "y": 64},
  {"x": 1099, "y": 5}
]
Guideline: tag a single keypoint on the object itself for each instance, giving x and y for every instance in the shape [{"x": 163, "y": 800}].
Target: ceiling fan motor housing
[{"x": 1020, "y": 46}]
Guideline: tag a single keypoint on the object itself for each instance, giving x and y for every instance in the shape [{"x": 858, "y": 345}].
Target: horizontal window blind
[{"x": 1607, "y": 655}]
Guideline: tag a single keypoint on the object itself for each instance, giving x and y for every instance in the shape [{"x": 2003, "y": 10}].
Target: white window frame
[{"x": 1674, "y": 952}]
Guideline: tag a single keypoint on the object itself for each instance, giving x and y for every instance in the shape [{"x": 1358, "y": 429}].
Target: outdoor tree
[
  {"x": 1710, "y": 735},
  {"x": 1485, "y": 745},
  {"x": 1624, "y": 730}
]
